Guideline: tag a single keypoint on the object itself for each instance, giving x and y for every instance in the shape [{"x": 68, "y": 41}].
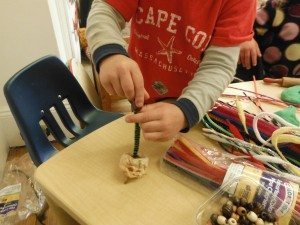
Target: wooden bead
[
  {"x": 214, "y": 219},
  {"x": 234, "y": 208},
  {"x": 235, "y": 200},
  {"x": 259, "y": 221},
  {"x": 241, "y": 211},
  {"x": 223, "y": 200},
  {"x": 244, "y": 221},
  {"x": 252, "y": 216},
  {"x": 235, "y": 216},
  {"x": 264, "y": 215},
  {"x": 271, "y": 217},
  {"x": 268, "y": 223},
  {"x": 227, "y": 210},
  {"x": 249, "y": 206},
  {"x": 229, "y": 202},
  {"x": 221, "y": 220},
  {"x": 258, "y": 208},
  {"x": 231, "y": 221},
  {"x": 243, "y": 202}
]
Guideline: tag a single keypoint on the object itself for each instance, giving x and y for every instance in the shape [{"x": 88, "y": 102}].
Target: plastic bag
[{"x": 20, "y": 196}]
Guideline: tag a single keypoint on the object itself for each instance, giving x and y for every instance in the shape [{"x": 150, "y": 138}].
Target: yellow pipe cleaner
[{"x": 279, "y": 136}]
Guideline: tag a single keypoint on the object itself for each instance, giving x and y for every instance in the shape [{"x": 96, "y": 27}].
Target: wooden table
[{"x": 83, "y": 182}]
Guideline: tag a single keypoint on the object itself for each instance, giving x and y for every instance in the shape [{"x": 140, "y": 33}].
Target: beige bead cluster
[{"x": 237, "y": 211}]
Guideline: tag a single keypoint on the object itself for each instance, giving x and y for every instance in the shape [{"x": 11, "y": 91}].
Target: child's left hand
[
  {"x": 159, "y": 121},
  {"x": 249, "y": 53}
]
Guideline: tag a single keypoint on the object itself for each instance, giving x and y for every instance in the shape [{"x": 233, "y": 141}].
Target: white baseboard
[
  {"x": 9, "y": 127},
  {"x": 11, "y": 131}
]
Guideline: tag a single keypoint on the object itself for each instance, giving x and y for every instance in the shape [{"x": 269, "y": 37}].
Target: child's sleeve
[
  {"x": 126, "y": 8},
  {"x": 104, "y": 24},
  {"x": 214, "y": 74},
  {"x": 235, "y": 23}
]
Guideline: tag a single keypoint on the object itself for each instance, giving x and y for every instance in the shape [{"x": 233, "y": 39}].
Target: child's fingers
[
  {"x": 109, "y": 89},
  {"x": 242, "y": 56},
  {"x": 150, "y": 127},
  {"x": 248, "y": 59},
  {"x": 143, "y": 117},
  {"x": 155, "y": 136},
  {"x": 146, "y": 95},
  {"x": 138, "y": 83},
  {"x": 127, "y": 85},
  {"x": 117, "y": 86},
  {"x": 254, "y": 57}
]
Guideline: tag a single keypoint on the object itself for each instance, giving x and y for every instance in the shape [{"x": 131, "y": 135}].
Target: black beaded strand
[{"x": 137, "y": 133}]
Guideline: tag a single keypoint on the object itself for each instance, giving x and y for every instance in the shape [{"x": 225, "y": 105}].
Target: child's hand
[
  {"x": 248, "y": 53},
  {"x": 159, "y": 121},
  {"x": 121, "y": 76}
]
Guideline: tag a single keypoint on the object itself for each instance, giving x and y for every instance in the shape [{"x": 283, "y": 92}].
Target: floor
[
  {"x": 17, "y": 158},
  {"x": 20, "y": 153}
]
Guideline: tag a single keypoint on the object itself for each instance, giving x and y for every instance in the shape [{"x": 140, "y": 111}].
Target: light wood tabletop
[{"x": 84, "y": 183}]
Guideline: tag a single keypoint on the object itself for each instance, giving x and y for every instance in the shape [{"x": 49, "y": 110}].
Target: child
[
  {"x": 276, "y": 41},
  {"x": 178, "y": 49}
]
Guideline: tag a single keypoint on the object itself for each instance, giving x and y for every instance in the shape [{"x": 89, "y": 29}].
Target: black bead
[
  {"x": 235, "y": 200},
  {"x": 271, "y": 217},
  {"x": 244, "y": 221},
  {"x": 258, "y": 207},
  {"x": 227, "y": 210},
  {"x": 214, "y": 219},
  {"x": 243, "y": 202},
  {"x": 249, "y": 206},
  {"x": 264, "y": 215}
]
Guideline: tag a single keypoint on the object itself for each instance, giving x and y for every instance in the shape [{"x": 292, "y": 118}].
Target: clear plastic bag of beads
[{"x": 249, "y": 200}]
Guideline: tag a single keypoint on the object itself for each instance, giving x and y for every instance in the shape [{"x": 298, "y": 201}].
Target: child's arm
[
  {"x": 119, "y": 74},
  {"x": 104, "y": 25},
  {"x": 214, "y": 74},
  {"x": 162, "y": 121}
]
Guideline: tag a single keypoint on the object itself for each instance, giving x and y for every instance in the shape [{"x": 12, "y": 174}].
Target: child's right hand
[
  {"x": 121, "y": 76},
  {"x": 249, "y": 51}
]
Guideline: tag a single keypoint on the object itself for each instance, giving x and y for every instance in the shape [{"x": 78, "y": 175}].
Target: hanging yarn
[{"x": 291, "y": 95}]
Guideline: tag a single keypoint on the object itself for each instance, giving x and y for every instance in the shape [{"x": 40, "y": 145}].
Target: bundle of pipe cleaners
[
  {"x": 265, "y": 141},
  {"x": 210, "y": 167},
  {"x": 268, "y": 138}
]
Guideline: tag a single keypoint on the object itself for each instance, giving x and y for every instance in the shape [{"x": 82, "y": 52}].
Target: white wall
[
  {"x": 26, "y": 34},
  {"x": 3, "y": 153}
]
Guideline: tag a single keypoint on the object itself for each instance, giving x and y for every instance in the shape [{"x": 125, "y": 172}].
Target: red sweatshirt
[{"x": 168, "y": 37}]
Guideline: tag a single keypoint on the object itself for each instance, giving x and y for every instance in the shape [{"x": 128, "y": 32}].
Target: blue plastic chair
[{"x": 42, "y": 85}]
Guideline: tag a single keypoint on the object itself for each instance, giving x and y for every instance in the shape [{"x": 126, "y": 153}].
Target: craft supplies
[
  {"x": 284, "y": 82},
  {"x": 250, "y": 196},
  {"x": 190, "y": 163},
  {"x": 280, "y": 136},
  {"x": 256, "y": 92},
  {"x": 263, "y": 98},
  {"x": 291, "y": 95},
  {"x": 260, "y": 128},
  {"x": 289, "y": 114},
  {"x": 133, "y": 165},
  {"x": 241, "y": 114},
  {"x": 262, "y": 115}
]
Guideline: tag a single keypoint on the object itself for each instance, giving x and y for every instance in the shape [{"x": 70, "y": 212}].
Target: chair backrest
[{"x": 33, "y": 91}]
